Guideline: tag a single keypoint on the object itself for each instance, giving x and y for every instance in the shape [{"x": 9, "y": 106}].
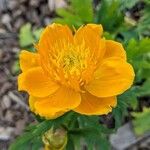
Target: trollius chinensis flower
[{"x": 82, "y": 72}]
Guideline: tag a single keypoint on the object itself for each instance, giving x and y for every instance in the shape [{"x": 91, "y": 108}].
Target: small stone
[
  {"x": 22, "y": 1},
  {"x": 47, "y": 21},
  {"x": 55, "y": 4},
  {"x": 6, "y": 86},
  {"x": 20, "y": 124},
  {"x": 6, "y": 19},
  {"x": 3, "y": 6},
  {"x": 6, "y": 101},
  {"x": 123, "y": 138},
  {"x": 2, "y": 31},
  {"x": 34, "y": 3},
  {"x": 9, "y": 116},
  {"x": 12, "y": 4},
  {"x": 44, "y": 10},
  {"x": 15, "y": 49},
  {"x": 5, "y": 133},
  {"x": 35, "y": 17},
  {"x": 1, "y": 54},
  {"x": 17, "y": 13},
  {"x": 19, "y": 22}
]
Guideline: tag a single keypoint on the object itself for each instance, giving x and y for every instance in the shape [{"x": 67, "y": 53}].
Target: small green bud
[{"x": 55, "y": 139}]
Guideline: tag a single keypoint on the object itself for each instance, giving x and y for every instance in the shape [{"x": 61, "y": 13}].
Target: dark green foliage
[
  {"x": 138, "y": 55},
  {"x": 32, "y": 137},
  {"x": 128, "y": 3},
  {"x": 33, "y": 133},
  {"x": 80, "y": 12},
  {"x": 90, "y": 132},
  {"x": 144, "y": 90},
  {"x": 143, "y": 26},
  {"x": 87, "y": 130},
  {"x": 142, "y": 121},
  {"x": 109, "y": 15}
]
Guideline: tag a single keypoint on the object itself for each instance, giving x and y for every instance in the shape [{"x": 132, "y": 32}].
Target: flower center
[{"x": 72, "y": 65}]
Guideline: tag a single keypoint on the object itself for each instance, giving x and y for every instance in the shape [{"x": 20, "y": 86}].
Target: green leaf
[
  {"x": 103, "y": 143},
  {"x": 130, "y": 97},
  {"x": 127, "y": 99},
  {"x": 119, "y": 112},
  {"x": 37, "y": 143},
  {"x": 25, "y": 36},
  {"x": 70, "y": 144},
  {"x": 109, "y": 36},
  {"x": 77, "y": 140},
  {"x": 21, "y": 141},
  {"x": 128, "y": 4},
  {"x": 145, "y": 89},
  {"x": 136, "y": 48},
  {"x": 109, "y": 15},
  {"x": 141, "y": 122},
  {"x": 83, "y": 9},
  {"x": 33, "y": 132},
  {"x": 15, "y": 67},
  {"x": 89, "y": 131},
  {"x": 68, "y": 18},
  {"x": 145, "y": 73},
  {"x": 143, "y": 26},
  {"x": 79, "y": 12},
  {"x": 30, "y": 127},
  {"x": 139, "y": 50},
  {"x": 37, "y": 33},
  {"x": 42, "y": 127}
]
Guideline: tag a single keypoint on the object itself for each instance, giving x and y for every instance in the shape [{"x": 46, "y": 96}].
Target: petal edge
[{"x": 113, "y": 77}]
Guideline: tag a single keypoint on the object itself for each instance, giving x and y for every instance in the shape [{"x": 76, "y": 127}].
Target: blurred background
[{"x": 127, "y": 21}]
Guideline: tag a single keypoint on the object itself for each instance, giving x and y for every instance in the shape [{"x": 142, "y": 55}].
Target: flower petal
[
  {"x": 97, "y": 28},
  {"x": 61, "y": 101},
  {"x": 52, "y": 36},
  {"x": 36, "y": 83},
  {"x": 28, "y": 60},
  {"x": 114, "y": 49},
  {"x": 44, "y": 109},
  {"x": 113, "y": 77},
  {"x": 32, "y": 101},
  {"x": 64, "y": 98},
  {"x": 92, "y": 105},
  {"x": 89, "y": 36}
]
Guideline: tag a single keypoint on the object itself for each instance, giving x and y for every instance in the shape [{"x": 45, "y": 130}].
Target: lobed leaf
[
  {"x": 141, "y": 122},
  {"x": 25, "y": 36},
  {"x": 79, "y": 13}
]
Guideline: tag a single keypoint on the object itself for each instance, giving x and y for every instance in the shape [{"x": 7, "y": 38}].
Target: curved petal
[
  {"x": 113, "y": 77},
  {"x": 32, "y": 101},
  {"x": 89, "y": 37},
  {"x": 63, "y": 99},
  {"x": 53, "y": 36},
  {"x": 97, "y": 28},
  {"x": 45, "y": 109},
  {"x": 114, "y": 49},
  {"x": 36, "y": 83},
  {"x": 28, "y": 60},
  {"x": 91, "y": 105}
]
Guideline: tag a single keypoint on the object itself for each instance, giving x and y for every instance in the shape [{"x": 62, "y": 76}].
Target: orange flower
[{"x": 82, "y": 72}]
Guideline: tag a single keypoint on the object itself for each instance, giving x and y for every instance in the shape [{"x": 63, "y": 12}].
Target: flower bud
[{"x": 55, "y": 139}]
